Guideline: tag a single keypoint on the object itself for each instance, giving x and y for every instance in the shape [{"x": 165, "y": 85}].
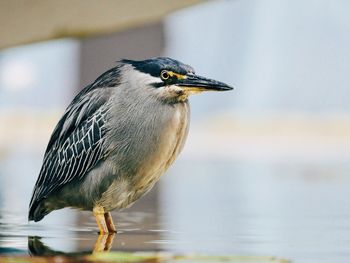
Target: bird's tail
[{"x": 37, "y": 211}]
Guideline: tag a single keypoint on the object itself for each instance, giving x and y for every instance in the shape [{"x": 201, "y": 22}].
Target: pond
[{"x": 294, "y": 210}]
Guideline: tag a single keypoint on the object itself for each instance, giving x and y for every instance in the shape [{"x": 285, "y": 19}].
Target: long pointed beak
[{"x": 197, "y": 84}]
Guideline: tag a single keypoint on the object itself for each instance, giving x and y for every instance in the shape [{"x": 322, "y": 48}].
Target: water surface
[{"x": 299, "y": 211}]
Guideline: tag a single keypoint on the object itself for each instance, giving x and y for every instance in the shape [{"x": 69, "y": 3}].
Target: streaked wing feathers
[{"x": 76, "y": 145}]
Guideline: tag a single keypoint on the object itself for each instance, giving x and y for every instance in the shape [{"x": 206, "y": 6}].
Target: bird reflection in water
[
  {"x": 37, "y": 247},
  {"x": 104, "y": 242}
]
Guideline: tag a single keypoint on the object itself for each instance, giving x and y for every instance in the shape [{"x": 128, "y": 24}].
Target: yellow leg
[
  {"x": 100, "y": 219},
  {"x": 109, "y": 222},
  {"x": 107, "y": 229}
]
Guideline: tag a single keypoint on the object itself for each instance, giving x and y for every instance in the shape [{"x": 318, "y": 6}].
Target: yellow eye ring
[{"x": 164, "y": 75}]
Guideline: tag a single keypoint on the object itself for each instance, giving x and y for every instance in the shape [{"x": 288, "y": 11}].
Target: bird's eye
[{"x": 164, "y": 75}]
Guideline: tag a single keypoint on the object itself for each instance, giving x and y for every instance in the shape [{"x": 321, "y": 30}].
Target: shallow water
[{"x": 299, "y": 211}]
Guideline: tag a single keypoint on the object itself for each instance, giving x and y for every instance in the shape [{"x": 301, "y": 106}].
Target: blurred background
[{"x": 265, "y": 170}]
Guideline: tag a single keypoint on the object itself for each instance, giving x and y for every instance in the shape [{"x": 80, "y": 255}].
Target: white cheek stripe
[{"x": 136, "y": 77}]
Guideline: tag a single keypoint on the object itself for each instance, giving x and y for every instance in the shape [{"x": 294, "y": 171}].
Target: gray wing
[{"x": 75, "y": 147}]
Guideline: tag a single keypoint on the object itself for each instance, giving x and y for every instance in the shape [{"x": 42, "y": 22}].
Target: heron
[{"x": 117, "y": 137}]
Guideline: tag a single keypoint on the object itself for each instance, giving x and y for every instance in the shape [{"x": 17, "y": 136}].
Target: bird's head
[{"x": 170, "y": 79}]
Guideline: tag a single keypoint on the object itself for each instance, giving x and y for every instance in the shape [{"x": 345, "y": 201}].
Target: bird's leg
[
  {"x": 99, "y": 212},
  {"x": 109, "y": 222}
]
